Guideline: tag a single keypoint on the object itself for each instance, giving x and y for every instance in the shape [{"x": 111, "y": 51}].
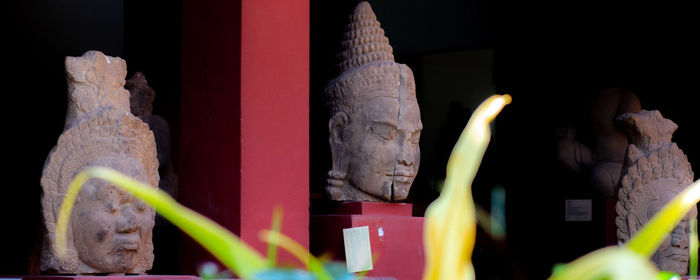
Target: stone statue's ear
[{"x": 336, "y": 125}]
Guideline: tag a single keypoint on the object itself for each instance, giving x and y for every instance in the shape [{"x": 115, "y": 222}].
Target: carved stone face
[
  {"x": 380, "y": 144},
  {"x": 673, "y": 254},
  {"x": 111, "y": 229}
]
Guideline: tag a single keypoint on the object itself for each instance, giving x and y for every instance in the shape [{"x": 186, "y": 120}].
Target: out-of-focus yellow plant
[{"x": 450, "y": 221}]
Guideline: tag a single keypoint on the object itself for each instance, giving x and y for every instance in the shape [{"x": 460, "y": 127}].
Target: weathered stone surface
[
  {"x": 375, "y": 125},
  {"x": 655, "y": 171},
  {"x": 95, "y": 84},
  {"x": 109, "y": 231}
]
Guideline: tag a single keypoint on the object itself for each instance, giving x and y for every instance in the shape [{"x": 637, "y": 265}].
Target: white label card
[
  {"x": 358, "y": 253},
  {"x": 578, "y": 210}
]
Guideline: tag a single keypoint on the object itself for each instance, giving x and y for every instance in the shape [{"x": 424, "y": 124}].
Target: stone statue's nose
[
  {"x": 405, "y": 155},
  {"x": 127, "y": 221}
]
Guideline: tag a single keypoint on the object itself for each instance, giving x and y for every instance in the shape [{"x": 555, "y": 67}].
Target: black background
[{"x": 551, "y": 56}]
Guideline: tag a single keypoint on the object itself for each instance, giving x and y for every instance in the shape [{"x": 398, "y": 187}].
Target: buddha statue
[
  {"x": 110, "y": 231},
  {"x": 375, "y": 121},
  {"x": 655, "y": 171}
]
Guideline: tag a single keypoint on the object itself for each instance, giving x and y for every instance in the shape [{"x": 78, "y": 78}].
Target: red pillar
[
  {"x": 244, "y": 144},
  {"x": 275, "y": 116}
]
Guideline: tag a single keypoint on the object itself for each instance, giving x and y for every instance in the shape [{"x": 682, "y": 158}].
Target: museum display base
[{"x": 396, "y": 237}]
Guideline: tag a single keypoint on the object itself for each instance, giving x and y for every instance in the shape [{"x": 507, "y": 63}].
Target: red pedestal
[{"x": 395, "y": 236}]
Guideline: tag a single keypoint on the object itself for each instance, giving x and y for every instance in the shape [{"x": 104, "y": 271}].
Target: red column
[
  {"x": 244, "y": 128},
  {"x": 275, "y": 116}
]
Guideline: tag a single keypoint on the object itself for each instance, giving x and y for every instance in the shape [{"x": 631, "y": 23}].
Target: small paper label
[
  {"x": 578, "y": 210},
  {"x": 358, "y": 253}
]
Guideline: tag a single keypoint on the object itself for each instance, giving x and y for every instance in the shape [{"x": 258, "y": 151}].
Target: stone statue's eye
[
  {"x": 384, "y": 132},
  {"x": 415, "y": 137}
]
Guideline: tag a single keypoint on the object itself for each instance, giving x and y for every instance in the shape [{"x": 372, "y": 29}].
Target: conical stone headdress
[
  {"x": 364, "y": 41},
  {"x": 367, "y": 64}
]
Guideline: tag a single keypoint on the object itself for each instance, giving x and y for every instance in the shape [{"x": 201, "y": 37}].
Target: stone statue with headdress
[
  {"x": 110, "y": 231},
  {"x": 655, "y": 171},
  {"x": 375, "y": 121}
]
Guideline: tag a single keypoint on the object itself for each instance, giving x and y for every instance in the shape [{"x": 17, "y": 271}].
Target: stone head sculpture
[
  {"x": 655, "y": 171},
  {"x": 110, "y": 231},
  {"x": 375, "y": 125}
]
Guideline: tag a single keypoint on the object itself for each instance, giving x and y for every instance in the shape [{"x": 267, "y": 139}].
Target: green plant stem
[
  {"x": 312, "y": 263},
  {"x": 275, "y": 227}
]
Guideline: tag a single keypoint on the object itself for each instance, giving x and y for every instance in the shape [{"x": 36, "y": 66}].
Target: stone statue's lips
[
  {"x": 403, "y": 179},
  {"x": 404, "y": 173},
  {"x": 128, "y": 242}
]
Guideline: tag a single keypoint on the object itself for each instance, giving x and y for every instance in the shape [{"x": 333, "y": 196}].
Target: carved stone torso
[
  {"x": 604, "y": 157},
  {"x": 375, "y": 125},
  {"x": 109, "y": 231},
  {"x": 655, "y": 171}
]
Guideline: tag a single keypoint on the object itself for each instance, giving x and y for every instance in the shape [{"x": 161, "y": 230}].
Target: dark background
[
  {"x": 550, "y": 56},
  {"x": 40, "y": 34}
]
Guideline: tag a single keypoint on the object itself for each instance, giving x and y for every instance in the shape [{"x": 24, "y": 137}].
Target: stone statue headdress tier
[
  {"x": 110, "y": 231},
  {"x": 375, "y": 124},
  {"x": 655, "y": 171},
  {"x": 95, "y": 84}
]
